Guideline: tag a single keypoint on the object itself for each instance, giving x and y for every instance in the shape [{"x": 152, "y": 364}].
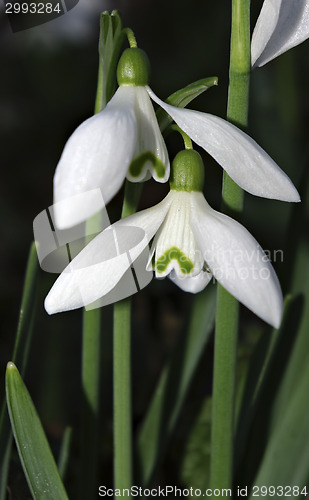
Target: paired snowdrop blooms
[
  {"x": 191, "y": 243},
  {"x": 124, "y": 140},
  {"x": 281, "y": 25}
]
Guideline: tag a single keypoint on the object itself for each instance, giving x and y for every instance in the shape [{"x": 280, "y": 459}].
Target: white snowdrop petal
[
  {"x": 242, "y": 158},
  {"x": 281, "y": 25},
  {"x": 150, "y": 156},
  {"x": 237, "y": 261},
  {"x": 102, "y": 263},
  {"x": 97, "y": 155},
  {"x": 191, "y": 284},
  {"x": 264, "y": 28}
]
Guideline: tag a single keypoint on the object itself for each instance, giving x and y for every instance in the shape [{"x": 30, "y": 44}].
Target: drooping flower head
[
  {"x": 123, "y": 140},
  {"x": 191, "y": 243}
]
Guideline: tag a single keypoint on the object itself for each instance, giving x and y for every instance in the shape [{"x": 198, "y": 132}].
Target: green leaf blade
[
  {"x": 36, "y": 457},
  {"x": 111, "y": 38},
  {"x": 286, "y": 458},
  {"x": 20, "y": 357},
  {"x": 182, "y": 97}
]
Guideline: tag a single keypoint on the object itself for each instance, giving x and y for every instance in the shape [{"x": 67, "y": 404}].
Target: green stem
[
  {"x": 122, "y": 370},
  {"x": 131, "y": 38},
  {"x": 91, "y": 344},
  {"x": 186, "y": 139},
  {"x": 222, "y": 434},
  {"x": 90, "y": 407},
  {"x": 122, "y": 395},
  {"x": 91, "y": 391}
]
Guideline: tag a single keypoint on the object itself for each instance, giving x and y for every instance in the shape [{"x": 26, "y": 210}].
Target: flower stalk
[
  {"x": 91, "y": 400},
  {"x": 122, "y": 369},
  {"x": 131, "y": 38},
  {"x": 222, "y": 435},
  {"x": 122, "y": 395}
]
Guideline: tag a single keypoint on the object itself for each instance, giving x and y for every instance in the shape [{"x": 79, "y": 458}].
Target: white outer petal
[
  {"x": 99, "y": 266},
  {"x": 281, "y": 25},
  {"x": 191, "y": 284},
  {"x": 237, "y": 261},
  {"x": 149, "y": 137},
  {"x": 265, "y": 26},
  {"x": 96, "y": 156},
  {"x": 240, "y": 156}
]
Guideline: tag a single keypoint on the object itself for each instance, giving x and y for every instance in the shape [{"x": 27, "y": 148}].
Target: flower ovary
[
  {"x": 187, "y": 171},
  {"x": 133, "y": 68}
]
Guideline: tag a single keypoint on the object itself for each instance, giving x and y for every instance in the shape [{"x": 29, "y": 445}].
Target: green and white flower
[
  {"x": 124, "y": 140},
  {"x": 281, "y": 25},
  {"x": 191, "y": 243}
]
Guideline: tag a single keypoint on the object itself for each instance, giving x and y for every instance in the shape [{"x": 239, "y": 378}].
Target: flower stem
[
  {"x": 122, "y": 395},
  {"x": 91, "y": 390},
  {"x": 186, "y": 139},
  {"x": 222, "y": 434},
  {"x": 122, "y": 370},
  {"x": 91, "y": 344},
  {"x": 131, "y": 38}
]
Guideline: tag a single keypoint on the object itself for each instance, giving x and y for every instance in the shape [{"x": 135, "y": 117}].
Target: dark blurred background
[{"x": 47, "y": 88}]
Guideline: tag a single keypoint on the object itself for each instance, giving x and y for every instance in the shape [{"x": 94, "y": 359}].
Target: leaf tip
[{"x": 10, "y": 366}]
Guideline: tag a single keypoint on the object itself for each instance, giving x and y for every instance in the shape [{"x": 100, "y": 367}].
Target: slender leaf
[
  {"x": 20, "y": 357},
  {"x": 181, "y": 98},
  {"x": 286, "y": 458},
  {"x": 173, "y": 385},
  {"x": 299, "y": 357},
  {"x": 64, "y": 452},
  {"x": 21, "y": 347},
  {"x": 36, "y": 457},
  {"x": 195, "y": 471},
  {"x": 262, "y": 372},
  {"x": 111, "y": 39}
]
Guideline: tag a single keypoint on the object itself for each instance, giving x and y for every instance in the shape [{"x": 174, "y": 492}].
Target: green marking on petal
[
  {"x": 185, "y": 264},
  {"x": 138, "y": 163}
]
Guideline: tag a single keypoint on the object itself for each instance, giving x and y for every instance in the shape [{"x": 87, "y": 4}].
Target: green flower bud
[
  {"x": 187, "y": 172},
  {"x": 133, "y": 68}
]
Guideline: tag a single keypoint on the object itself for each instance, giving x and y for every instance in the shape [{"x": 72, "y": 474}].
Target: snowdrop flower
[
  {"x": 281, "y": 25},
  {"x": 124, "y": 140},
  {"x": 191, "y": 244}
]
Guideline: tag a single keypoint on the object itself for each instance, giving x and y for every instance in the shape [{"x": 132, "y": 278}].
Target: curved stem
[
  {"x": 222, "y": 434},
  {"x": 131, "y": 38},
  {"x": 186, "y": 139}
]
